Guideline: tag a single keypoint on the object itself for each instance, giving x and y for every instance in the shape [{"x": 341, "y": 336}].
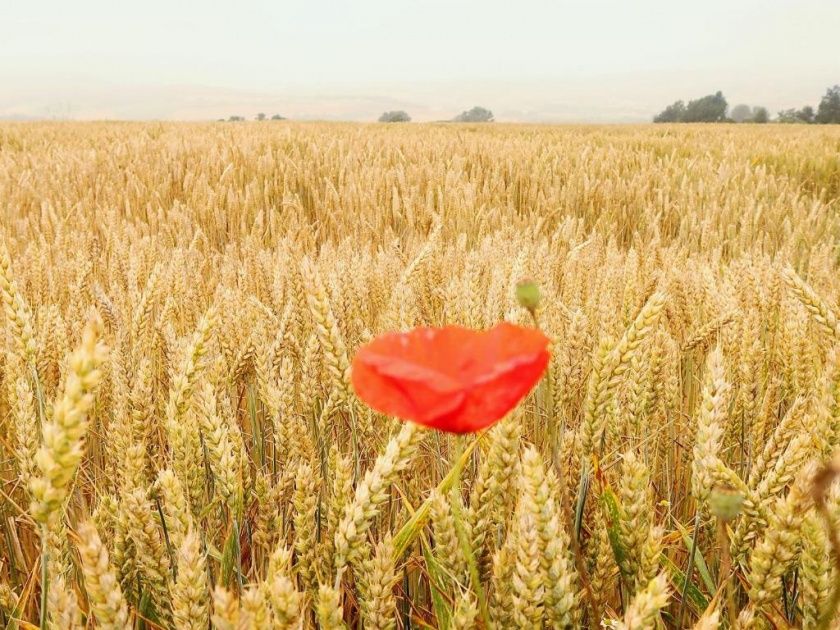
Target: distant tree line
[
  {"x": 828, "y": 111},
  {"x": 710, "y": 108},
  {"x": 714, "y": 108},
  {"x": 475, "y": 115},
  {"x": 745, "y": 113},
  {"x": 261, "y": 116},
  {"x": 395, "y": 116}
]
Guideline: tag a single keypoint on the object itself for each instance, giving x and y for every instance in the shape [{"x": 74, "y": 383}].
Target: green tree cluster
[
  {"x": 395, "y": 116},
  {"x": 713, "y": 108},
  {"x": 828, "y": 111},
  {"x": 710, "y": 108},
  {"x": 793, "y": 115},
  {"x": 476, "y": 114}
]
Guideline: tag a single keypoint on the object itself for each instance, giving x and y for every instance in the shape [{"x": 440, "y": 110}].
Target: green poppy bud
[
  {"x": 725, "y": 503},
  {"x": 528, "y": 295}
]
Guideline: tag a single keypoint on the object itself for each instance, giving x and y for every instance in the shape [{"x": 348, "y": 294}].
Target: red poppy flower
[{"x": 453, "y": 378}]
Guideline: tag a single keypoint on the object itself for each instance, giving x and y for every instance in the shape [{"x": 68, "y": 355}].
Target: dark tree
[
  {"x": 760, "y": 115},
  {"x": 671, "y": 114},
  {"x": 236, "y": 119},
  {"x": 828, "y": 111},
  {"x": 793, "y": 115},
  {"x": 711, "y": 108},
  {"x": 260, "y": 116},
  {"x": 278, "y": 117},
  {"x": 476, "y": 114},
  {"x": 787, "y": 116},
  {"x": 806, "y": 114},
  {"x": 395, "y": 116}
]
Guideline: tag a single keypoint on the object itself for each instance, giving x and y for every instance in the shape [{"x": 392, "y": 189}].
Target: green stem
[
  {"x": 689, "y": 569},
  {"x": 409, "y": 532},
  {"x": 239, "y": 580},
  {"x": 45, "y": 559},
  {"x": 463, "y": 539},
  {"x": 583, "y": 489},
  {"x": 726, "y": 573}
]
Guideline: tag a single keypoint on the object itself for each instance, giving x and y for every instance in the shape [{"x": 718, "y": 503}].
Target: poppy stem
[
  {"x": 409, "y": 532},
  {"x": 689, "y": 569},
  {"x": 726, "y": 572},
  {"x": 548, "y": 396},
  {"x": 463, "y": 539}
]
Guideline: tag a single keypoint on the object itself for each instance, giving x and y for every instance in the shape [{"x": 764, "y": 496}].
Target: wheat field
[{"x": 180, "y": 448}]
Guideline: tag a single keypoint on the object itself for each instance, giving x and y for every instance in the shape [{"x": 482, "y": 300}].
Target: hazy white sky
[{"x": 524, "y": 59}]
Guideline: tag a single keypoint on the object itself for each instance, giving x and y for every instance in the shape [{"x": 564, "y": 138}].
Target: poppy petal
[
  {"x": 505, "y": 342},
  {"x": 444, "y": 350},
  {"x": 401, "y": 369},
  {"x": 452, "y": 378},
  {"x": 492, "y": 398},
  {"x": 408, "y": 398}
]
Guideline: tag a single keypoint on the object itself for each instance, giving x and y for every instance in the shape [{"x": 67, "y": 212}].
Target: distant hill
[{"x": 19, "y": 117}]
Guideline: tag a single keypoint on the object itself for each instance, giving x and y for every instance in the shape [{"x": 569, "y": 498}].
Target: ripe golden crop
[{"x": 181, "y": 447}]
